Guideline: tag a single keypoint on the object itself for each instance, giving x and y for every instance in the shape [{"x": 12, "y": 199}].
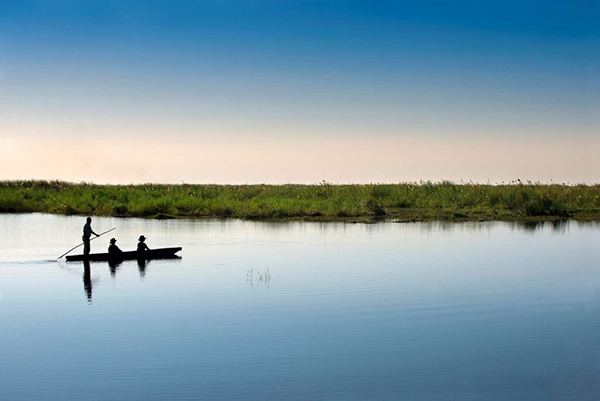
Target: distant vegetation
[{"x": 406, "y": 201}]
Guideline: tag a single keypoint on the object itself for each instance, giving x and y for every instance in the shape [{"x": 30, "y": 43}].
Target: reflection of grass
[{"x": 408, "y": 201}]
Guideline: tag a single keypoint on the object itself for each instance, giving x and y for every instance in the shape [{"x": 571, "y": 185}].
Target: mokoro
[{"x": 161, "y": 253}]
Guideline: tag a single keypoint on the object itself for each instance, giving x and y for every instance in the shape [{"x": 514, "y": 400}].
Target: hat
[
  {"x": 113, "y": 240},
  {"x": 142, "y": 238}
]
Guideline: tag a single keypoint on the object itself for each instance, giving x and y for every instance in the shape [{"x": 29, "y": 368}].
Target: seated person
[
  {"x": 113, "y": 249},
  {"x": 141, "y": 246}
]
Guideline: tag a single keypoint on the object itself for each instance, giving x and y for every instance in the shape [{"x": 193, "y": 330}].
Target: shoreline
[{"x": 425, "y": 217}]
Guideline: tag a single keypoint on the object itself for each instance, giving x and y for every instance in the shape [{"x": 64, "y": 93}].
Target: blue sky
[{"x": 281, "y": 72}]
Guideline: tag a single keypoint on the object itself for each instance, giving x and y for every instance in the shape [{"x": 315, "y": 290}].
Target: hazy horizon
[{"x": 201, "y": 161}]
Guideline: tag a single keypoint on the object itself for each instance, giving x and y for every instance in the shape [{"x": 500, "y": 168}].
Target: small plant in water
[{"x": 255, "y": 277}]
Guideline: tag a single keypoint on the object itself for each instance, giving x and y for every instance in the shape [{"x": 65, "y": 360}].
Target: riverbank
[{"x": 324, "y": 202}]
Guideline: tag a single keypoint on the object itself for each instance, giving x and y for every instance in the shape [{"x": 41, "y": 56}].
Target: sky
[{"x": 301, "y": 91}]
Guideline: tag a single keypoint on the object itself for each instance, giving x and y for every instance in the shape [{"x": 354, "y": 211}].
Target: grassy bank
[{"x": 406, "y": 202}]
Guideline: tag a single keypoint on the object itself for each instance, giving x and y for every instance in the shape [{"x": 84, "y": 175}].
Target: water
[{"x": 302, "y": 311}]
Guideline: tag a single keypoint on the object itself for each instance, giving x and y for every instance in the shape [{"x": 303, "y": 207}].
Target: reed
[{"x": 404, "y": 201}]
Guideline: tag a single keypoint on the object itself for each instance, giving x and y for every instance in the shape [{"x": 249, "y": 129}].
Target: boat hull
[{"x": 161, "y": 253}]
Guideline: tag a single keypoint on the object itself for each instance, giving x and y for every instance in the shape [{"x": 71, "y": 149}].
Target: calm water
[{"x": 302, "y": 311}]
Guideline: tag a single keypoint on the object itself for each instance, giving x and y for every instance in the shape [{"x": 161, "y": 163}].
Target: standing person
[
  {"x": 87, "y": 234},
  {"x": 142, "y": 245}
]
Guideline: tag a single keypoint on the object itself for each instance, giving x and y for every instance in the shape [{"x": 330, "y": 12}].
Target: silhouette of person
[
  {"x": 141, "y": 246},
  {"x": 87, "y": 234},
  {"x": 113, "y": 250}
]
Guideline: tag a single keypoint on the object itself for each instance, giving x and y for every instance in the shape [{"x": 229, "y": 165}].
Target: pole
[{"x": 91, "y": 239}]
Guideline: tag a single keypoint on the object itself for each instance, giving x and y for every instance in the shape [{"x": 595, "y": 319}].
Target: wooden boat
[{"x": 160, "y": 253}]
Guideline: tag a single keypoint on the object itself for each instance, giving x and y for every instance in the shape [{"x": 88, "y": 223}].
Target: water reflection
[
  {"x": 142, "y": 264},
  {"x": 255, "y": 277},
  {"x": 480, "y": 226},
  {"x": 87, "y": 280},
  {"x": 113, "y": 267},
  {"x": 532, "y": 226},
  {"x": 142, "y": 267}
]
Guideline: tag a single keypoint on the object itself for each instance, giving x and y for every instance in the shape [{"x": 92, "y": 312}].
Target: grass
[{"x": 405, "y": 202}]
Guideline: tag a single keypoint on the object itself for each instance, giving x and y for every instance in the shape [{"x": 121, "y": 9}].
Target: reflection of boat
[{"x": 161, "y": 253}]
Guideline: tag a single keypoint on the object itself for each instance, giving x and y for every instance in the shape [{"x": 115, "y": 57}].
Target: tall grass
[{"x": 325, "y": 201}]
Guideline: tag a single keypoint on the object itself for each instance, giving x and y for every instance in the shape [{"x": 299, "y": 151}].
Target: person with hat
[
  {"x": 113, "y": 250},
  {"x": 141, "y": 246}
]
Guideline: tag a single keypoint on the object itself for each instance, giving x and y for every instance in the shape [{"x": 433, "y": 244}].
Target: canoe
[{"x": 160, "y": 253}]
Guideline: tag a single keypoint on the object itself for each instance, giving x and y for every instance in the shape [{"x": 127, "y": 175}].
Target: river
[{"x": 301, "y": 311}]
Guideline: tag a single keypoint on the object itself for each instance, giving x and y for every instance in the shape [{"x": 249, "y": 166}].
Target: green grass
[{"x": 406, "y": 201}]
